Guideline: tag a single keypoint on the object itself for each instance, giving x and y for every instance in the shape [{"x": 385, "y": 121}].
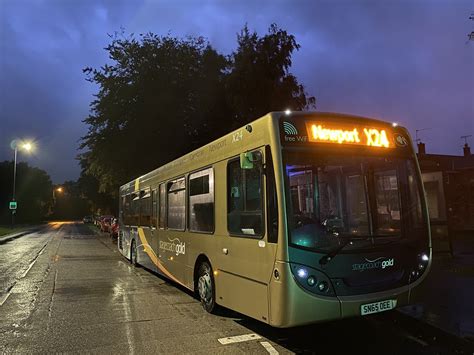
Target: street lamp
[
  {"x": 26, "y": 146},
  {"x": 60, "y": 190},
  {"x": 57, "y": 189}
]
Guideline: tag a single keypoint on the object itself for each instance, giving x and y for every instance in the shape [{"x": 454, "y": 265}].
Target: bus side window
[
  {"x": 244, "y": 199},
  {"x": 201, "y": 201},
  {"x": 135, "y": 209},
  {"x": 162, "y": 208},
  {"x": 154, "y": 211},
  {"x": 177, "y": 204},
  {"x": 145, "y": 207},
  {"x": 124, "y": 209},
  {"x": 127, "y": 209}
]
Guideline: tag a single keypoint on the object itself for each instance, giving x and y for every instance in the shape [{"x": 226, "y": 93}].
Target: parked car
[
  {"x": 114, "y": 229},
  {"x": 105, "y": 222},
  {"x": 88, "y": 219}
]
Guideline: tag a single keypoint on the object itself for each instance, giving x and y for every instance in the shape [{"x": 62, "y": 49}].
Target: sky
[{"x": 407, "y": 61}]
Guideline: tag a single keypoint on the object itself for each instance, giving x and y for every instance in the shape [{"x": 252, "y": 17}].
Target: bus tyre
[
  {"x": 133, "y": 253},
  {"x": 207, "y": 293}
]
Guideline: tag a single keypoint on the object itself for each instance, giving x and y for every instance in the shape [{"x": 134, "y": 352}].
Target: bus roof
[{"x": 258, "y": 128}]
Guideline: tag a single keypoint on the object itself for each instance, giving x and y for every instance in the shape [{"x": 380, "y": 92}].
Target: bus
[{"x": 292, "y": 219}]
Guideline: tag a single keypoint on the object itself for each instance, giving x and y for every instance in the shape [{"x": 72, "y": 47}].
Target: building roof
[{"x": 440, "y": 162}]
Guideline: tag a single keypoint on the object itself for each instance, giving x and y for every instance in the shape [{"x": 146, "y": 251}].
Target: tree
[
  {"x": 471, "y": 35},
  {"x": 259, "y": 80},
  {"x": 33, "y": 193},
  {"x": 153, "y": 103},
  {"x": 99, "y": 202},
  {"x": 163, "y": 96},
  {"x": 70, "y": 203}
]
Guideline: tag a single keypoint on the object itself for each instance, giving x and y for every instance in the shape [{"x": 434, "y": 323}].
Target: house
[{"x": 449, "y": 186}]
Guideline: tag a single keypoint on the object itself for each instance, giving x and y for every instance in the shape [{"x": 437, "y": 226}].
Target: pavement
[{"x": 447, "y": 295}]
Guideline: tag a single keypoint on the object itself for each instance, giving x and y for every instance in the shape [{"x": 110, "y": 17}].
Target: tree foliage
[
  {"x": 71, "y": 203},
  {"x": 153, "y": 103},
  {"x": 99, "y": 202},
  {"x": 33, "y": 193},
  {"x": 163, "y": 96},
  {"x": 259, "y": 80}
]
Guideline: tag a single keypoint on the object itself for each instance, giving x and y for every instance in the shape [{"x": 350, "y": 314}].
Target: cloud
[{"x": 405, "y": 61}]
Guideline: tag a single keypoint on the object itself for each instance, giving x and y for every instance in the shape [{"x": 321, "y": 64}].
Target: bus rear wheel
[{"x": 205, "y": 283}]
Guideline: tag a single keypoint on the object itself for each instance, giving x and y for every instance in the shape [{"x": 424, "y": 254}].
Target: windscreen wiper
[
  {"x": 329, "y": 256},
  {"x": 347, "y": 240}
]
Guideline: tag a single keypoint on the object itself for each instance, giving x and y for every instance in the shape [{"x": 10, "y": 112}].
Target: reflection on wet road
[
  {"x": 71, "y": 291},
  {"x": 18, "y": 256}
]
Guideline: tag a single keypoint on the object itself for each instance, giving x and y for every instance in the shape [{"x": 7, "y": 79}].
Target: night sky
[{"x": 404, "y": 61}]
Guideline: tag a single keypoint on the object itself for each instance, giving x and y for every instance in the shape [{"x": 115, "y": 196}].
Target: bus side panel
[
  {"x": 172, "y": 260},
  {"x": 145, "y": 247},
  {"x": 244, "y": 265},
  {"x": 124, "y": 241},
  {"x": 242, "y": 295}
]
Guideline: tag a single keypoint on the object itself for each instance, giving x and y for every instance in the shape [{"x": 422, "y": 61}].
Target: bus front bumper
[{"x": 291, "y": 305}]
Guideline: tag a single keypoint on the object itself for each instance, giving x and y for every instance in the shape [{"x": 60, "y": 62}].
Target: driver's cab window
[
  {"x": 316, "y": 197},
  {"x": 327, "y": 201},
  {"x": 244, "y": 197}
]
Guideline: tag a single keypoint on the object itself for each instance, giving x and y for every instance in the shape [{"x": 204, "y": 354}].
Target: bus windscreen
[{"x": 335, "y": 197}]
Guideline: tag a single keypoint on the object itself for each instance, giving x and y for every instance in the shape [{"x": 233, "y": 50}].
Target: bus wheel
[
  {"x": 133, "y": 253},
  {"x": 206, "y": 287}
]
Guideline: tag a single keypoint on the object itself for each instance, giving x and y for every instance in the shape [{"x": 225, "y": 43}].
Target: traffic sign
[{"x": 13, "y": 205}]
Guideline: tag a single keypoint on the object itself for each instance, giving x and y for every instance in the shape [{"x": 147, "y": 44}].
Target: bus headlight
[
  {"x": 312, "y": 280},
  {"x": 302, "y": 272},
  {"x": 322, "y": 286}
]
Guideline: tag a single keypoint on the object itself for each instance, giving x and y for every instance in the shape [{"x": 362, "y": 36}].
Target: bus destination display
[
  {"x": 369, "y": 136},
  {"x": 321, "y": 131}
]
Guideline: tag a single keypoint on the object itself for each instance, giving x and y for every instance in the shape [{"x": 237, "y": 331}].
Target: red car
[
  {"x": 104, "y": 223},
  {"x": 114, "y": 228}
]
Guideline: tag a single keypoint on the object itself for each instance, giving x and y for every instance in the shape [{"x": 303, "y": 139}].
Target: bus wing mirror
[{"x": 246, "y": 160}]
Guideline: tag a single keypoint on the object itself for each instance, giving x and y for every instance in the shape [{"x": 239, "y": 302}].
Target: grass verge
[{"x": 4, "y": 230}]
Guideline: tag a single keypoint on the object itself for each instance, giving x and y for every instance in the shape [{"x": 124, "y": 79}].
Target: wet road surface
[{"x": 67, "y": 289}]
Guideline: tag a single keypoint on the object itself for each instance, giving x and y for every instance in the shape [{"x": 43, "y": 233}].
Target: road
[{"x": 67, "y": 289}]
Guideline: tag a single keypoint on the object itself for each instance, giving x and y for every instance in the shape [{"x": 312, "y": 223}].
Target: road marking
[
  {"x": 268, "y": 347},
  {"x": 9, "y": 292},
  {"x": 4, "y": 298},
  {"x": 238, "y": 338},
  {"x": 34, "y": 261},
  {"x": 419, "y": 341}
]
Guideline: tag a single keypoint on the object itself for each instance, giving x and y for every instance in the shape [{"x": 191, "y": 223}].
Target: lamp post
[
  {"x": 55, "y": 189},
  {"x": 27, "y": 146}
]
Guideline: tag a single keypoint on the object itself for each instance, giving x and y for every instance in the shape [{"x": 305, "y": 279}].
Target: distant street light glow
[{"x": 27, "y": 146}]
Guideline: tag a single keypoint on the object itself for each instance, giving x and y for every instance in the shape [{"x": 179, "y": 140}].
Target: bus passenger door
[{"x": 247, "y": 257}]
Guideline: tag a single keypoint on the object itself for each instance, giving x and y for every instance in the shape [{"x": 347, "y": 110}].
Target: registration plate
[{"x": 377, "y": 307}]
